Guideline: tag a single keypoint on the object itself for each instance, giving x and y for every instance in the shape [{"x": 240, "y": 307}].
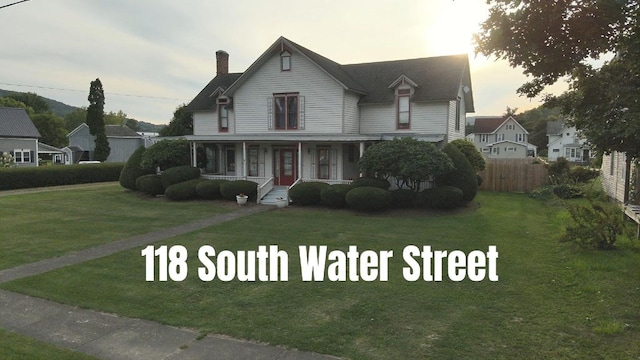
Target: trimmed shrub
[
  {"x": 404, "y": 198},
  {"x": 178, "y": 174},
  {"x": 371, "y": 182},
  {"x": 463, "y": 177},
  {"x": 470, "y": 151},
  {"x": 150, "y": 184},
  {"x": 132, "y": 170},
  {"x": 480, "y": 179},
  {"x": 446, "y": 197},
  {"x": 41, "y": 176},
  {"x": 230, "y": 189},
  {"x": 334, "y": 196},
  {"x": 307, "y": 193},
  {"x": 210, "y": 189},
  {"x": 185, "y": 190},
  {"x": 369, "y": 199},
  {"x": 166, "y": 154},
  {"x": 425, "y": 198}
]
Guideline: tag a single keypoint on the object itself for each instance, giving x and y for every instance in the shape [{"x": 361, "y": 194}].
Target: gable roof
[
  {"x": 120, "y": 131},
  {"x": 15, "y": 122},
  {"x": 437, "y": 78},
  {"x": 489, "y": 125},
  {"x": 554, "y": 127}
]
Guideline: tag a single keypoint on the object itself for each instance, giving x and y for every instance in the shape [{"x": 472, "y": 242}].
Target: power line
[
  {"x": 106, "y": 93},
  {"x": 15, "y": 3}
]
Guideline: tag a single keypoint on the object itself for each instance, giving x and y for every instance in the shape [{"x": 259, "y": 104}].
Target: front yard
[{"x": 551, "y": 301}]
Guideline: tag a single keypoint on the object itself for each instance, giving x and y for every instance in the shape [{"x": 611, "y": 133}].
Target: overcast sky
[{"x": 153, "y": 56}]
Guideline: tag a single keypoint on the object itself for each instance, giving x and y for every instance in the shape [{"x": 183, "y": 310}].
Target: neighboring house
[
  {"x": 48, "y": 152},
  {"x": 123, "y": 141},
  {"x": 501, "y": 138},
  {"x": 564, "y": 141},
  {"x": 613, "y": 173},
  {"x": 18, "y": 136},
  {"x": 295, "y": 115}
]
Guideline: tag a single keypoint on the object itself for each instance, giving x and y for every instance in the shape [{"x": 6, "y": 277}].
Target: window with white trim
[
  {"x": 285, "y": 61},
  {"x": 223, "y": 118},
  {"x": 510, "y": 126},
  {"x": 499, "y": 137},
  {"x": 520, "y": 137},
  {"x": 484, "y": 138},
  {"x": 22, "y": 156},
  {"x": 324, "y": 162},
  {"x": 403, "y": 106}
]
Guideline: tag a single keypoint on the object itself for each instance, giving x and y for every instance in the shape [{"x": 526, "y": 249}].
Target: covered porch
[{"x": 279, "y": 161}]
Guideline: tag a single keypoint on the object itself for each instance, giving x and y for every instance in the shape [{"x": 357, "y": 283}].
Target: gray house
[
  {"x": 123, "y": 141},
  {"x": 18, "y": 136}
]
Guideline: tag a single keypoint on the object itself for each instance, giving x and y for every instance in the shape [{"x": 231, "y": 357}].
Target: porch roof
[{"x": 341, "y": 138}]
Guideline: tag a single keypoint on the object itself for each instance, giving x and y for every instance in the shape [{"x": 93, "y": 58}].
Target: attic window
[
  {"x": 285, "y": 61},
  {"x": 403, "y": 106}
]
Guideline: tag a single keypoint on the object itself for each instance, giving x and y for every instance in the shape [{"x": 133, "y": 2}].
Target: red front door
[{"x": 285, "y": 160}]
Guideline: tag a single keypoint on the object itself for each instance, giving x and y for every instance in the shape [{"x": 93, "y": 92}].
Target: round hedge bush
[
  {"x": 463, "y": 177},
  {"x": 307, "y": 193},
  {"x": 371, "y": 182},
  {"x": 178, "y": 174},
  {"x": 425, "y": 199},
  {"x": 210, "y": 189},
  {"x": 185, "y": 190},
  {"x": 132, "y": 170},
  {"x": 369, "y": 199},
  {"x": 403, "y": 198},
  {"x": 150, "y": 184},
  {"x": 230, "y": 189},
  {"x": 446, "y": 197},
  {"x": 334, "y": 196}
]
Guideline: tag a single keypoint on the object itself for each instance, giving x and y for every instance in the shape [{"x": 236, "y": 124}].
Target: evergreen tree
[{"x": 95, "y": 120}]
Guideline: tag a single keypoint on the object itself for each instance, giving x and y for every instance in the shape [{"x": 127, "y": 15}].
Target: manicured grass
[
  {"x": 41, "y": 225},
  {"x": 17, "y": 347},
  {"x": 551, "y": 301}
]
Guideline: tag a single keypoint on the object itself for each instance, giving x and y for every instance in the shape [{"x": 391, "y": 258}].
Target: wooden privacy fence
[{"x": 513, "y": 175}]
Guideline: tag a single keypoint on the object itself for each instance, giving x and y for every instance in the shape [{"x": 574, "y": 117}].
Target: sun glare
[{"x": 450, "y": 26}]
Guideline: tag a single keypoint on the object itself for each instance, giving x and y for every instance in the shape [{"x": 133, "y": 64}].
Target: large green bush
[
  {"x": 150, "y": 184},
  {"x": 166, "y": 154},
  {"x": 41, "y": 176},
  {"x": 470, "y": 151},
  {"x": 463, "y": 177},
  {"x": 446, "y": 197},
  {"x": 581, "y": 174},
  {"x": 404, "y": 198},
  {"x": 132, "y": 170},
  {"x": 178, "y": 174},
  {"x": 210, "y": 189},
  {"x": 185, "y": 190},
  {"x": 334, "y": 196},
  {"x": 307, "y": 193},
  {"x": 595, "y": 225},
  {"x": 231, "y": 189},
  {"x": 369, "y": 199},
  {"x": 371, "y": 182}
]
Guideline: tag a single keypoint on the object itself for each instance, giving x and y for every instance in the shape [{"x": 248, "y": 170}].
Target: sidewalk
[{"x": 109, "y": 336}]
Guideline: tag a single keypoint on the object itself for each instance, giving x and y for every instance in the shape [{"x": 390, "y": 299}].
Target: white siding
[
  {"x": 323, "y": 97},
  {"x": 613, "y": 175},
  {"x": 426, "y": 118},
  {"x": 452, "y": 133},
  {"x": 351, "y": 114},
  {"x": 206, "y": 123}
]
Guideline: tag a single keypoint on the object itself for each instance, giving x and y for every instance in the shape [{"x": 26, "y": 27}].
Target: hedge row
[
  {"x": 372, "y": 198},
  {"x": 41, "y": 176}
]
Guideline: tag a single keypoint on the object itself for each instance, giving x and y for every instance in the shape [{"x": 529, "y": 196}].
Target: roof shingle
[{"x": 15, "y": 122}]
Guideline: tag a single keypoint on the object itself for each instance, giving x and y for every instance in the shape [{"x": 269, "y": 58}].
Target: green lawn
[
  {"x": 41, "y": 225},
  {"x": 18, "y": 347},
  {"x": 551, "y": 301}
]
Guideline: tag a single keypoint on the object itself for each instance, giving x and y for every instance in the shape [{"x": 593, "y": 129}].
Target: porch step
[{"x": 274, "y": 194}]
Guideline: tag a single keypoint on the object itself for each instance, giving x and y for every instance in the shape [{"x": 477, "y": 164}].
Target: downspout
[
  {"x": 194, "y": 160},
  {"x": 361, "y": 153},
  {"x": 244, "y": 160}
]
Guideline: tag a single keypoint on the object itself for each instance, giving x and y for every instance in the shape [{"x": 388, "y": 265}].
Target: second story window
[
  {"x": 223, "y": 118},
  {"x": 286, "y": 111},
  {"x": 403, "y": 109},
  {"x": 285, "y": 61},
  {"x": 484, "y": 138},
  {"x": 520, "y": 137}
]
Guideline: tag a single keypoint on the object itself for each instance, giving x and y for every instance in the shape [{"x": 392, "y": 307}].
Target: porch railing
[{"x": 264, "y": 188}]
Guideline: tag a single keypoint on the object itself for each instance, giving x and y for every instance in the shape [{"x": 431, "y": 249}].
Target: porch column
[
  {"x": 194, "y": 159},
  {"x": 361, "y": 153},
  {"x": 244, "y": 160},
  {"x": 299, "y": 160}
]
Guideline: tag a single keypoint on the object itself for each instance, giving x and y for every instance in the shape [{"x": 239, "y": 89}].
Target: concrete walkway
[{"x": 109, "y": 336}]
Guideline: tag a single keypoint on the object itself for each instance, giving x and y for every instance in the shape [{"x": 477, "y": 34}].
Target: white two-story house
[
  {"x": 564, "y": 141},
  {"x": 295, "y": 115},
  {"x": 501, "y": 138}
]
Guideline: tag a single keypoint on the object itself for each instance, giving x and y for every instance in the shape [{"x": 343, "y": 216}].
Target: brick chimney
[{"x": 222, "y": 62}]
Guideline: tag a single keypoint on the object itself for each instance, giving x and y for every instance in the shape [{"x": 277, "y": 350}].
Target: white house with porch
[{"x": 295, "y": 115}]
